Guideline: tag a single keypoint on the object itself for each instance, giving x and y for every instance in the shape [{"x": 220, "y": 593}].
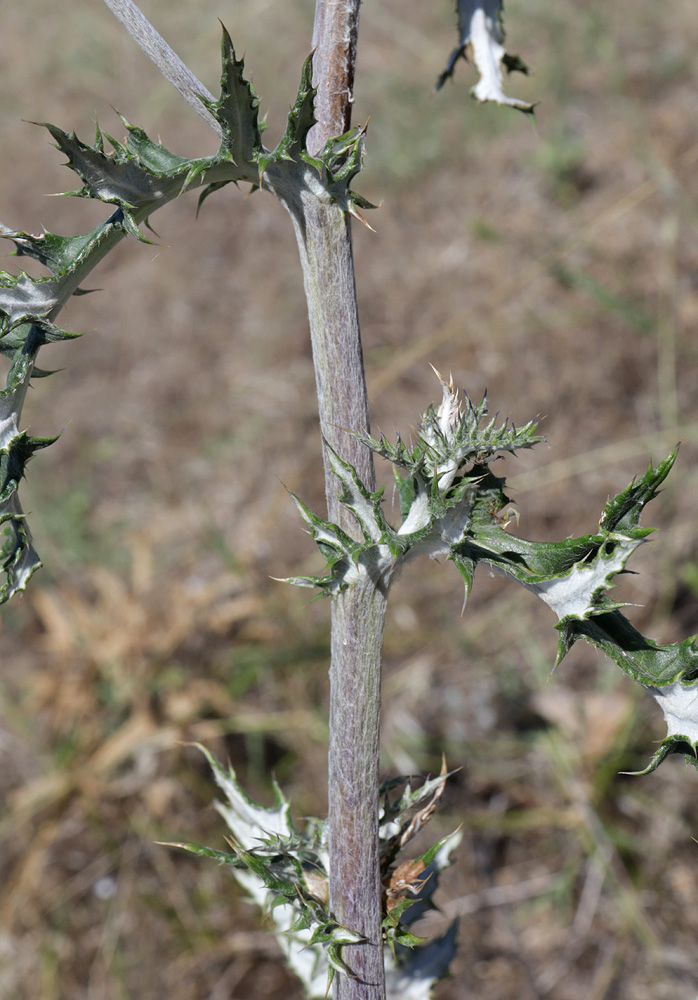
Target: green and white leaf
[
  {"x": 679, "y": 703},
  {"x": 277, "y": 860},
  {"x": 481, "y": 26},
  {"x": 413, "y": 968},
  {"x": 284, "y": 871},
  {"x": 453, "y": 507}
]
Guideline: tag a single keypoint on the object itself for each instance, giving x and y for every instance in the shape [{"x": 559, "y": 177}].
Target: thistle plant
[{"x": 342, "y": 892}]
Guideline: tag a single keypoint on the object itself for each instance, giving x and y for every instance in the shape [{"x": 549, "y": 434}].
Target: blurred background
[{"x": 552, "y": 261}]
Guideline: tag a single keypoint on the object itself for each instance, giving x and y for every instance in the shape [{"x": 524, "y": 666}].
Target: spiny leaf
[
  {"x": 463, "y": 517},
  {"x": 224, "y": 857},
  {"x": 18, "y": 558},
  {"x": 136, "y": 178},
  {"x": 452, "y": 436},
  {"x": 364, "y": 505},
  {"x": 272, "y": 860},
  {"x": 623, "y": 511},
  {"x": 152, "y": 156},
  {"x": 58, "y": 253},
  {"x": 237, "y": 111},
  {"x": 118, "y": 178},
  {"x": 642, "y": 659},
  {"x": 301, "y": 119},
  {"x": 342, "y": 159},
  {"x": 410, "y": 890},
  {"x": 284, "y": 869}
]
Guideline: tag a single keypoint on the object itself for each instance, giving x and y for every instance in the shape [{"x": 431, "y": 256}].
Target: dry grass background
[{"x": 555, "y": 264}]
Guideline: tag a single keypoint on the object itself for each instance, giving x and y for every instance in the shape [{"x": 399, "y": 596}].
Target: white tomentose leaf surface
[
  {"x": 572, "y": 594},
  {"x": 419, "y": 515},
  {"x": 679, "y": 702}
]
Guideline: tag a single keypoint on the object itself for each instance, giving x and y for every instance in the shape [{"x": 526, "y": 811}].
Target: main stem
[{"x": 358, "y": 613}]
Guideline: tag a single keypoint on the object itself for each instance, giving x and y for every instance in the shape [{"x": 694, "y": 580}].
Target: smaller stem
[{"x": 164, "y": 57}]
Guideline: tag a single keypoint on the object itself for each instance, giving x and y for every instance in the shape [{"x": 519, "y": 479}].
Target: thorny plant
[{"x": 340, "y": 895}]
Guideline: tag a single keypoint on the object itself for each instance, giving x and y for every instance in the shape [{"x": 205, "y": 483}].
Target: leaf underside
[{"x": 481, "y": 31}]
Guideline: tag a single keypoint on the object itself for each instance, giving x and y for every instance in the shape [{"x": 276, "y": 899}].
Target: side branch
[{"x": 164, "y": 57}]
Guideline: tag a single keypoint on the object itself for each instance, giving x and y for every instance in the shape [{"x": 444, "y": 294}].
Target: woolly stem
[{"x": 358, "y": 613}]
